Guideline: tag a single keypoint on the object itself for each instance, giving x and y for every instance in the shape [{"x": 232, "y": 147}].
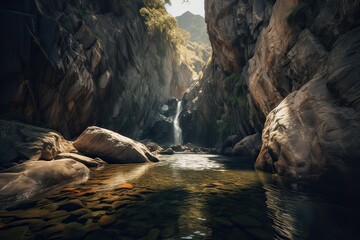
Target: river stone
[
  {"x": 168, "y": 151},
  {"x": 125, "y": 186},
  {"x": 249, "y": 146},
  {"x": 152, "y": 146},
  {"x": 106, "y": 220},
  {"x": 25, "y": 214},
  {"x": 71, "y": 205},
  {"x": 16, "y": 233},
  {"x": 178, "y": 148},
  {"x": 112, "y": 147},
  {"x": 28, "y": 179},
  {"x": 69, "y": 231},
  {"x": 56, "y": 214},
  {"x": 87, "y": 161}
]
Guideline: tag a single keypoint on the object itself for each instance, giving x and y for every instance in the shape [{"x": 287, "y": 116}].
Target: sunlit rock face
[
  {"x": 315, "y": 131},
  {"x": 28, "y": 179},
  {"x": 71, "y": 64}
]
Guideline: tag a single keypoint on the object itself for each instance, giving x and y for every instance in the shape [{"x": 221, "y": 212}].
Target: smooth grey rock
[
  {"x": 168, "y": 151},
  {"x": 112, "y": 147},
  {"x": 19, "y": 141},
  {"x": 33, "y": 177},
  {"x": 249, "y": 146}
]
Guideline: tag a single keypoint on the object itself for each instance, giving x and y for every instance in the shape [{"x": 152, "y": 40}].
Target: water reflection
[
  {"x": 194, "y": 162},
  {"x": 306, "y": 215},
  {"x": 185, "y": 196},
  {"x": 123, "y": 174}
]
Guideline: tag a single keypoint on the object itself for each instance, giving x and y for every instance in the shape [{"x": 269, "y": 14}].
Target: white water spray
[{"x": 177, "y": 128}]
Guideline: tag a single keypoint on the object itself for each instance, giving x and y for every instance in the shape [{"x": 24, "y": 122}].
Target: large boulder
[
  {"x": 112, "y": 147},
  {"x": 249, "y": 146},
  {"x": 33, "y": 177},
  {"x": 315, "y": 132},
  {"x": 21, "y": 141}
]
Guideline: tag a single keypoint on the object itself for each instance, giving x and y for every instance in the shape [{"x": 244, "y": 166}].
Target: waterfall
[{"x": 177, "y": 129}]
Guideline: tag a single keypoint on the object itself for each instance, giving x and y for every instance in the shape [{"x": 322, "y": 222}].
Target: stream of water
[
  {"x": 177, "y": 128},
  {"x": 185, "y": 196}
]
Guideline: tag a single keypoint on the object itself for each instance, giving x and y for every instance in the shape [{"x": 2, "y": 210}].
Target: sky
[{"x": 177, "y": 7}]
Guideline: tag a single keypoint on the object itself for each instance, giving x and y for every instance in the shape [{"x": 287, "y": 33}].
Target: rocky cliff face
[
  {"x": 223, "y": 105},
  {"x": 293, "y": 62},
  {"x": 314, "y": 132},
  {"x": 69, "y": 64}
]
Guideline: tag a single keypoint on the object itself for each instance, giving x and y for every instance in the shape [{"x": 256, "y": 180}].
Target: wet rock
[
  {"x": 71, "y": 205},
  {"x": 56, "y": 214},
  {"x": 31, "y": 223},
  {"x": 69, "y": 231},
  {"x": 112, "y": 147},
  {"x": 249, "y": 146},
  {"x": 89, "y": 162},
  {"x": 16, "y": 233},
  {"x": 230, "y": 143},
  {"x": 178, "y": 148},
  {"x": 80, "y": 216},
  {"x": 102, "y": 206},
  {"x": 23, "y": 141},
  {"x": 121, "y": 204},
  {"x": 125, "y": 186},
  {"x": 168, "y": 151},
  {"x": 152, "y": 146},
  {"x": 227, "y": 151},
  {"x": 24, "y": 205},
  {"x": 27, "y": 179},
  {"x": 106, "y": 220}
]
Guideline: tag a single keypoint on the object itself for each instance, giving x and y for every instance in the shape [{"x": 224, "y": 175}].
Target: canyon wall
[
  {"x": 220, "y": 104},
  {"x": 70, "y": 64},
  {"x": 295, "y": 63}
]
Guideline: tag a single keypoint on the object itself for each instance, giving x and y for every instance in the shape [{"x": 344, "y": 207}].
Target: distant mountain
[{"x": 195, "y": 25}]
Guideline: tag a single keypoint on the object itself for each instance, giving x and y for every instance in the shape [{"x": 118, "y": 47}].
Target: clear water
[{"x": 185, "y": 196}]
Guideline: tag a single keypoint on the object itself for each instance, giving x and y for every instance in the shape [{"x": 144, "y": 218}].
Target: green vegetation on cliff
[{"x": 158, "y": 21}]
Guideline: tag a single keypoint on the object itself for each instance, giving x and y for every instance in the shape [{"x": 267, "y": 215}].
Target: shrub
[{"x": 159, "y": 22}]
